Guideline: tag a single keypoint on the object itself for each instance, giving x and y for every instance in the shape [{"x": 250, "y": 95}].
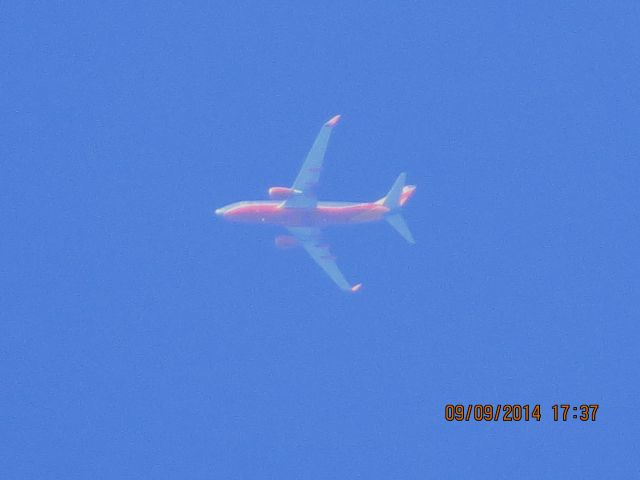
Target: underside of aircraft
[{"x": 297, "y": 209}]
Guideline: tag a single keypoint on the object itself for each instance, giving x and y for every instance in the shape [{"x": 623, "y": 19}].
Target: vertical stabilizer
[{"x": 392, "y": 200}]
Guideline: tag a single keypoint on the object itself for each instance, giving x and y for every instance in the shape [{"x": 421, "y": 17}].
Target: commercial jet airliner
[{"x": 297, "y": 209}]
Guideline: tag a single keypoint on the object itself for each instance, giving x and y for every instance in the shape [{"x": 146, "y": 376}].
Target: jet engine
[
  {"x": 287, "y": 241},
  {"x": 282, "y": 193}
]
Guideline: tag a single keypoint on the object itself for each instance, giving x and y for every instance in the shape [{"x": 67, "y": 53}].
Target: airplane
[{"x": 297, "y": 209}]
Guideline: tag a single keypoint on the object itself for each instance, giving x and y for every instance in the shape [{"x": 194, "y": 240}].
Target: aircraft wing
[
  {"x": 311, "y": 240},
  {"x": 309, "y": 174}
]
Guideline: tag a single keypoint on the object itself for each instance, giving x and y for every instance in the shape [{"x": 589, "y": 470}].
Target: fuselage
[{"x": 273, "y": 212}]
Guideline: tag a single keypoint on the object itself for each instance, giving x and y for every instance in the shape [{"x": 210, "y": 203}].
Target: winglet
[
  {"x": 356, "y": 287},
  {"x": 333, "y": 121}
]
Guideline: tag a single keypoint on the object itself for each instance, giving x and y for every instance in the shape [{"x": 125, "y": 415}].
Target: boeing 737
[{"x": 297, "y": 209}]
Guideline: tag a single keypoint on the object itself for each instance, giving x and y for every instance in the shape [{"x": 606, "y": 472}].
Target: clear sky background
[{"x": 141, "y": 337}]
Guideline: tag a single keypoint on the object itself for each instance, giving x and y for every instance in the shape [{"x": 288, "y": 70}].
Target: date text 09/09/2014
[{"x": 514, "y": 412}]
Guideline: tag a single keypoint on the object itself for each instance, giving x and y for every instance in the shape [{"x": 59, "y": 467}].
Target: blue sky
[{"x": 143, "y": 338}]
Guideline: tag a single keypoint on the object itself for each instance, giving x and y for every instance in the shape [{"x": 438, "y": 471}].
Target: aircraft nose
[{"x": 220, "y": 212}]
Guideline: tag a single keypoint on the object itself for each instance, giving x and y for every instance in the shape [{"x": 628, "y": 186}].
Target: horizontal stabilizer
[{"x": 397, "y": 222}]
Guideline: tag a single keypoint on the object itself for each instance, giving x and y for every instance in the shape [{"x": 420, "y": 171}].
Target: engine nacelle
[
  {"x": 282, "y": 193},
  {"x": 287, "y": 241}
]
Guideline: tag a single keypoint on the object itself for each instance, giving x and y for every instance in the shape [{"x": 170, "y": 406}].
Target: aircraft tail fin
[
  {"x": 398, "y": 194},
  {"x": 397, "y": 222},
  {"x": 394, "y": 201}
]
